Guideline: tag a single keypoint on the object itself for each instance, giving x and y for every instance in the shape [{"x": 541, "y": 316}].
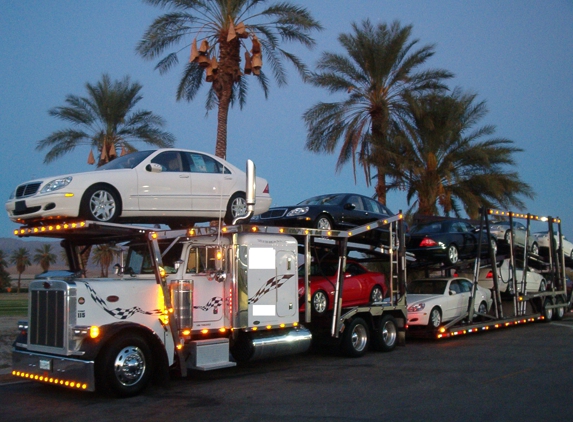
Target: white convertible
[{"x": 166, "y": 185}]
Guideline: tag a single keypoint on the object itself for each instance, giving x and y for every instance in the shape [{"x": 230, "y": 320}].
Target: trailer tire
[
  {"x": 125, "y": 366},
  {"x": 559, "y": 313},
  {"x": 385, "y": 339},
  {"x": 547, "y": 312},
  {"x": 355, "y": 338}
]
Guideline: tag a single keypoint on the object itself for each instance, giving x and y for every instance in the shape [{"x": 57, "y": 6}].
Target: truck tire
[
  {"x": 124, "y": 367},
  {"x": 355, "y": 338},
  {"x": 385, "y": 339}
]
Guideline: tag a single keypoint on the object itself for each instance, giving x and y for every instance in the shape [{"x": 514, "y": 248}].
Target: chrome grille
[
  {"x": 29, "y": 189},
  {"x": 51, "y": 313},
  {"x": 47, "y": 318}
]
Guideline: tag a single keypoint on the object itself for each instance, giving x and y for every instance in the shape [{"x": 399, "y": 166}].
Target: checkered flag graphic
[
  {"x": 215, "y": 302},
  {"x": 271, "y": 284},
  {"x": 119, "y": 313}
]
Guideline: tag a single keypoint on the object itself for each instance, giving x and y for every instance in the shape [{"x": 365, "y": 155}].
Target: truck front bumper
[{"x": 63, "y": 371}]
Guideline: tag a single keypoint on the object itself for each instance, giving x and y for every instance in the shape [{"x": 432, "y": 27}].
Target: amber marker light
[
  {"x": 204, "y": 331},
  {"x": 94, "y": 331}
]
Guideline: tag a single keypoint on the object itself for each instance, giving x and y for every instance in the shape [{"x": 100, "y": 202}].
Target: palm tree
[
  {"x": 224, "y": 26},
  {"x": 21, "y": 258},
  {"x": 5, "y": 281},
  {"x": 447, "y": 162},
  {"x": 45, "y": 257},
  {"x": 379, "y": 69},
  {"x": 105, "y": 120},
  {"x": 103, "y": 256}
]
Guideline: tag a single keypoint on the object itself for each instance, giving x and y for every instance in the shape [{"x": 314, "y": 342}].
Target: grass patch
[{"x": 13, "y": 304}]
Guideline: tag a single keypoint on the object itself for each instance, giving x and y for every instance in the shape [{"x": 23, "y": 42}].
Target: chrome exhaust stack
[{"x": 251, "y": 194}]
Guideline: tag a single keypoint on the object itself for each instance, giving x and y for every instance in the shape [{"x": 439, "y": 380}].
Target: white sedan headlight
[
  {"x": 297, "y": 211},
  {"x": 56, "y": 184},
  {"x": 416, "y": 307}
]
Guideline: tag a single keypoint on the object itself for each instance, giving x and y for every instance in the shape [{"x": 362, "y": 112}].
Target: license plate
[
  {"x": 46, "y": 364},
  {"x": 20, "y": 205}
]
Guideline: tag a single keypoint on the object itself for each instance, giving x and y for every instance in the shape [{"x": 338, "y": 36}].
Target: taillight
[
  {"x": 266, "y": 189},
  {"x": 428, "y": 242},
  {"x": 489, "y": 274}
]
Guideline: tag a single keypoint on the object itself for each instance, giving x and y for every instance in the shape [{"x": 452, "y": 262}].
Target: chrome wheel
[
  {"x": 102, "y": 205},
  {"x": 435, "y": 318},
  {"x": 319, "y": 302},
  {"x": 376, "y": 295},
  {"x": 453, "y": 254},
  {"x": 389, "y": 333},
  {"x": 129, "y": 366},
  {"x": 323, "y": 223},
  {"x": 239, "y": 207}
]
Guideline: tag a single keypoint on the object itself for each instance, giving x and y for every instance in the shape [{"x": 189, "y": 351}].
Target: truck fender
[{"x": 93, "y": 347}]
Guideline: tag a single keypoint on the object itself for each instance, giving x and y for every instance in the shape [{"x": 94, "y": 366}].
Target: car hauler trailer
[
  {"x": 197, "y": 299},
  {"x": 524, "y": 306}
]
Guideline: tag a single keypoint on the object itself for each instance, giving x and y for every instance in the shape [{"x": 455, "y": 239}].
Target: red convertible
[{"x": 361, "y": 286}]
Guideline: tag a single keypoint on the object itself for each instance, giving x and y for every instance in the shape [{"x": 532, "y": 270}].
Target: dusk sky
[{"x": 517, "y": 55}]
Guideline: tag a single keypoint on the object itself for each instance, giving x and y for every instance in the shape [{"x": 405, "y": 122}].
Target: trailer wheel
[
  {"x": 355, "y": 338},
  {"x": 319, "y": 302},
  {"x": 547, "y": 312},
  {"x": 559, "y": 312},
  {"x": 385, "y": 339},
  {"x": 435, "y": 318},
  {"x": 125, "y": 366}
]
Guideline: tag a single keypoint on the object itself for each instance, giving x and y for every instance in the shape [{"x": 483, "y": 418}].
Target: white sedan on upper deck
[
  {"x": 542, "y": 239},
  {"x": 172, "y": 186}
]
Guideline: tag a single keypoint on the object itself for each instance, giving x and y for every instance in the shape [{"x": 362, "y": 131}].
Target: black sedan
[
  {"x": 339, "y": 211},
  {"x": 447, "y": 241}
]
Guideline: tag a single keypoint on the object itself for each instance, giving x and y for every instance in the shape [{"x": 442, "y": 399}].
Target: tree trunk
[
  {"x": 381, "y": 186},
  {"x": 19, "y": 279}
]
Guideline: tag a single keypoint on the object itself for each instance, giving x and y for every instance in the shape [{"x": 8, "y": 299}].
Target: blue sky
[{"x": 515, "y": 54}]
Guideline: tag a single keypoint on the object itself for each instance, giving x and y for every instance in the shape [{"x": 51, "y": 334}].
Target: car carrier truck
[{"x": 199, "y": 299}]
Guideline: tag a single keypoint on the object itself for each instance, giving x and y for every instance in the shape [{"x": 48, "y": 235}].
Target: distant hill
[{"x": 8, "y": 245}]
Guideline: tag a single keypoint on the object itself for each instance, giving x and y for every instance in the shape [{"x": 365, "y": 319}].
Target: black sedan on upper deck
[
  {"x": 447, "y": 241},
  {"x": 339, "y": 211}
]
